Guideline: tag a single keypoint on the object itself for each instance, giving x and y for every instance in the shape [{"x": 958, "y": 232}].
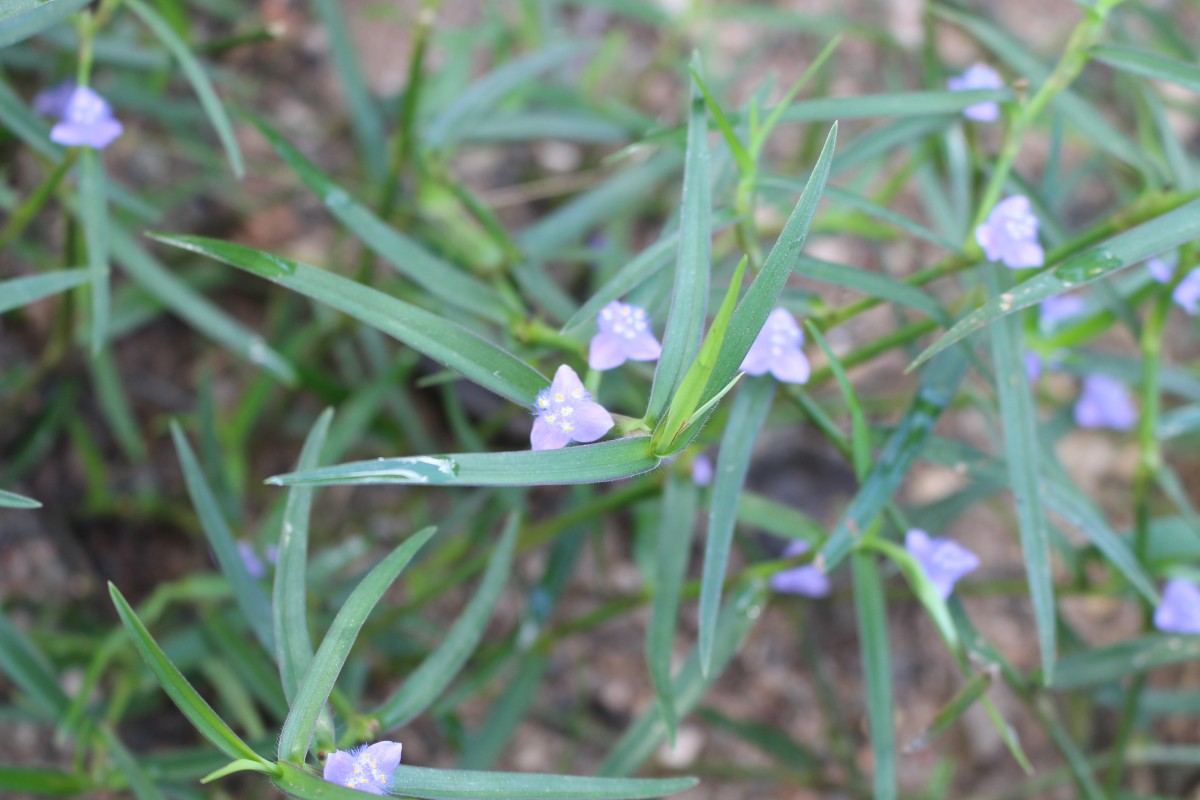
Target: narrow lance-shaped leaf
[
  {"x": 752, "y": 312},
  {"x": 1160, "y": 234},
  {"x": 441, "y": 666},
  {"x": 449, "y": 784},
  {"x": 689, "y": 297},
  {"x": 14, "y": 500},
  {"x": 444, "y": 341},
  {"x": 893, "y": 461},
  {"x": 28, "y": 669},
  {"x": 196, "y": 76},
  {"x": 746, "y": 418},
  {"x": 676, "y": 525},
  {"x": 871, "y": 611},
  {"x": 255, "y": 604},
  {"x": 1018, "y": 416},
  {"x": 331, "y": 656},
  {"x": 193, "y": 706},
  {"x": 591, "y": 463},
  {"x": 1149, "y": 64},
  {"x": 17, "y": 292},
  {"x": 289, "y": 606},
  {"x": 24, "y": 19},
  {"x": 440, "y": 278}
]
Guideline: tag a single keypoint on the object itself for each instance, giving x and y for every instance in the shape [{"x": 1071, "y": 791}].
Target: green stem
[{"x": 29, "y": 209}]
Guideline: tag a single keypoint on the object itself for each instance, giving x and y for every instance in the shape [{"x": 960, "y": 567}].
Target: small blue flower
[
  {"x": 1058, "y": 308},
  {"x": 807, "y": 579},
  {"x": 367, "y": 769},
  {"x": 1010, "y": 234},
  {"x": 53, "y": 102},
  {"x": 777, "y": 350},
  {"x": 1105, "y": 403},
  {"x": 1179, "y": 611},
  {"x": 1187, "y": 292},
  {"x": 625, "y": 334},
  {"x": 978, "y": 76},
  {"x": 566, "y": 413},
  {"x": 943, "y": 561},
  {"x": 254, "y": 564},
  {"x": 1162, "y": 269},
  {"x": 702, "y": 470},
  {"x": 86, "y": 121}
]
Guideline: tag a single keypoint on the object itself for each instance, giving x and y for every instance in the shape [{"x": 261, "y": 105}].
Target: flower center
[
  {"x": 558, "y": 408},
  {"x": 366, "y": 772}
]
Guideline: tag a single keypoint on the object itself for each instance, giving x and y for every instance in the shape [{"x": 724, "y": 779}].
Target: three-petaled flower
[
  {"x": 807, "y": 580},
  {"x": 978, "y": 76},
  {"x": 367, "y": 769},
  {"x": 566, "y": 413},
  {"x": 1010, "y": 234},
  {"x": 1179, "y": 611},
  {"x": 1105, "y": 403},
  {"x": 943, "y": 561},
  {"x": 776, "y": 349},
  {"x": 625, "y": 334},
  {"x": 85, "y": 118}
]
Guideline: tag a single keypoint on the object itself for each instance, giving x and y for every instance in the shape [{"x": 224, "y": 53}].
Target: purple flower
[
  {"x": 1163, "y": 269},
  {"x": 1033, "y": 365},
  {"x": 566, "y": 413},
  {"x": 702, "y": 470},
  {"x": 87, "y": 121},
  {"x": 367, "y": 769},
  {"x": 254, "y": 564},
  {"x": 807, "y": 579},
  {"x": 1010, "y": 234},
  {"x": 1105, "y": 403},
  {"x": 978, "y": 76},
  {"x": 52, "y": 102},
  {"x": 1187, "y": 292},
  {"x": 1056, "y": 309},
  {"x": 1179, "y": 611},
  {"x": 624, "y": 334},
  {"x": 943, "y": 561},
  {"x": 777, "y": 350}
]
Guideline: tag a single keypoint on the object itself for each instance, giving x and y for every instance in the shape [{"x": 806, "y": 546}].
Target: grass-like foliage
[{"x": 721, "y": 400}]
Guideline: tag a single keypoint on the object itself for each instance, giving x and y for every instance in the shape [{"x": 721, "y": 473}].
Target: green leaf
[
  {"x": 251, "y": 598},
  {"x": 193, "y": 706},
  {"x": 440, "y": 278},
  {"x": 331, "y": 656},
  {"x": 94, "y": 207},
  {"x": 24, "y": 18},
  {"x": 752, "y": 312},
  {"x": 41, "y": 781},
  {"x": 14, "y": 500},
  {"x": 1158, "y": 235},
  {"x": 18, "y": 292},
  {"x": 1099, "y": 665},
  {"x": 21, "y": 122},
  {"x": 873, "y": 284},
  {"x": 364, "y": 114},
  {"x": 641, "y": 738},
  {"x": 449, "y": 784},
  {"x": 860, "y": 435},
  {"x": 686, "y": 403},
  {"x": 196, "y": 309},
  {"x": 1018, "y": 418},
  {"x": 1150, "y": 65},
  {"x": 745, "y": 163},
  {"x": 289, "y": 596},
  {"x": 892, "y": 104},
  {"x": 477, "y": 100},
  {"x": 430, "y": 679},
  {"x": 644, "y": 265},
  {"x": 922, "y": 587},
  {"x": 677, "y": 523},
  {"x": 950, "y": 713},
  {"x": 142, "y": 785},
  {"x": 196, "y": 76},
  {"x": 871, "y": 611},
  {"x": 689, "y": 296},
  {"x": 28, "y": 669},
  {"x": 444, "y": 341},
  {"x": 746, "y": 418},
  {"x": 589, "y": 463},
  {"x": 893, "y": 461}
]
